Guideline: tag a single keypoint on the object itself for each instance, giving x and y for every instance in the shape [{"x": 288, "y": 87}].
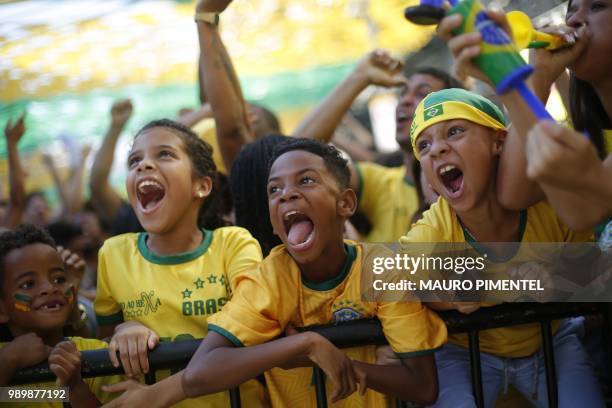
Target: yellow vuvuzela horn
[{"x": 525, "y": 36}]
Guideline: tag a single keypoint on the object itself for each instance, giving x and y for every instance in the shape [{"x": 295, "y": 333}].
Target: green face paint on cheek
[
  {"x": 70, "y": 294},
  {"x": 23, "y": 302}
]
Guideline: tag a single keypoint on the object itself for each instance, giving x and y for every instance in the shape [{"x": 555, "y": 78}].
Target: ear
[
  {"x": 202, "y": 187},
  {"x": 347, "y": 204},
  {"x": 499, "y": 138}
]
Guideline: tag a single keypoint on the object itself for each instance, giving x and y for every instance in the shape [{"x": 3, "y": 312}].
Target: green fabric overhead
[{"x": 87, "y": 115}]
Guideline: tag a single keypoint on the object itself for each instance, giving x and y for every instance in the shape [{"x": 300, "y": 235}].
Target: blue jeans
[{"x": 577, "y": 385}]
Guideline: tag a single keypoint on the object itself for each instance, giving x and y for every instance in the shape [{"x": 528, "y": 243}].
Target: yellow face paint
[{"x": 23, "y": 302}]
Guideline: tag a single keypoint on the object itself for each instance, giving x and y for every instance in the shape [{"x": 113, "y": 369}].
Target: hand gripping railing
[{"x": 176, "y": 355}]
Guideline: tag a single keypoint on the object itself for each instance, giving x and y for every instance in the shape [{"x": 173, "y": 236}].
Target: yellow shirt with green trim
[
  {"x": 94, "y": 383},
  {"x": 277, "y": 295},
  {"x": 388, "y": 199},
  {"x": 538, "y": 223},
  {"x": 174, "y": 295}
]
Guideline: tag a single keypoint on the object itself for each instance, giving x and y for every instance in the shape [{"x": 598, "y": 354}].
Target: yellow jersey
[
  {"x": 538, "y": 223},
  {"x": 174, "y": 295},
  {"x": 94, "y": 383},
  {"x": 277, "y": 295},
  {"x": 388, "y": 199}
]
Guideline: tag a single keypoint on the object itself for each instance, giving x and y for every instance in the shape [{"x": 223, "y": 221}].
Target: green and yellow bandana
[{"x": 454, "y": 103}]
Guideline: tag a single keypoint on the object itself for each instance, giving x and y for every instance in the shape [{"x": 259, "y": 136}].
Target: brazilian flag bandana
[{"x": 454, "y": 103}]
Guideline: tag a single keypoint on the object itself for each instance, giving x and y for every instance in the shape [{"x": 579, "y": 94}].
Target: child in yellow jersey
[
  {"x": 164, "y": 283},
  {"x": 36, "y": 299},
  {"x": 313, "y": 278},
  {"x": 458, "y": 137}
]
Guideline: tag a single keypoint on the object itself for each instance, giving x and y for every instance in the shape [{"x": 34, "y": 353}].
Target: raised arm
[
  {"x": 376, "y": 68},
  {"x": 60, "y": 185},
  {"x": 105, "y": 199},
  {"x": 515, "y": 190},
  {"x": 575, "y": 181},
  {"x": 222, "y": 87},
  {"x": 74, "y": 188},
  {"x": 13, "y": 134},
  {"x": 192, "y": 118}
]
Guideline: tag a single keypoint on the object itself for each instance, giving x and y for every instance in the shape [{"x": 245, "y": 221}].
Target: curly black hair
[
  {"x": 23, "y": 235},
  {"x": 248, "y": 181},
  {"x": 334, "y": 162},
  {"x": 203, "y": 165}
]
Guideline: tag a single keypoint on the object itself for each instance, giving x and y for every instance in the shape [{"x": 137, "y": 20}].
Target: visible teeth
[
  {"x": 445, "y": 169},
  {"x": 289, "y": 214},
  {"x": 145, "y": 183}
]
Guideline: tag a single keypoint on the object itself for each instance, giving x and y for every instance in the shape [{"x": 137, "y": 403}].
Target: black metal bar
[
  {"x": 150, "y": 378},
  {"x": 549, "y": 363},
  {"x": 475, "y": 368},
  {"x": 96, "y": 363},
  {"x": 167, "y": 355},
  {"x": 234, "y": 394},
  {"x": 319, "y": 382}
]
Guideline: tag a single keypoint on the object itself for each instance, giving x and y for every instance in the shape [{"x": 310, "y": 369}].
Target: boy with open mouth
[
  {"x": 458, "y": 137},
  {"x": 36, "y": 299},
  {"x": 314, "y": 277}
]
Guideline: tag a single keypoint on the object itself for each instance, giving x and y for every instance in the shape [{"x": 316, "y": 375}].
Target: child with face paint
[
  {"x": 458, "y": 137},
  {"x": 36, "y": 299}
]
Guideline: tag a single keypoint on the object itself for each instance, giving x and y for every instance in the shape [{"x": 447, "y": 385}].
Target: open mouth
[
  {"x": 149, "y": 193},
  {"x": 299, "y": 229},
  {"x": 51, "y": 306},
  {"x": 452, "y": 179},
  {"x": 402, "y": 117}
]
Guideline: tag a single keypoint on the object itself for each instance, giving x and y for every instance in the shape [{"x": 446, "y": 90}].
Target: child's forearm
[
  {"x": 218, "y": 366},
  {"x": 81, "y": 396},
  {"x": 414, "y": 384},
  {"x": 515, "y": 189},
  {"x": 17, "y": 188}
]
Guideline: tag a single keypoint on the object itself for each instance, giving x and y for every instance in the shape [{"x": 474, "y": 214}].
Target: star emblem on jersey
[
  {"x": 212, "y": 279},
  {"x": 199, "y": 283},
  {"x": 222, "y": 280},
  {"x": 186, "y": 293}
]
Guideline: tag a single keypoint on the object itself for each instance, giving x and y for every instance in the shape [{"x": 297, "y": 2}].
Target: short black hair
[
  {"x": 63, "y": 233},
  {"x": 23, "y": 235},
  {"x": 334, "y": 162},
  {"x": 445, "y": 77}
]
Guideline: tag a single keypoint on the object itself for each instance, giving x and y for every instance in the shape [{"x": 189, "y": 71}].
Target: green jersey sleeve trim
[{"x": 226, "y": 334}]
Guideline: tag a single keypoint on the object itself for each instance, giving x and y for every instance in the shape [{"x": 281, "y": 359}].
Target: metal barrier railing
[{"x": 176, "y": 355}]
